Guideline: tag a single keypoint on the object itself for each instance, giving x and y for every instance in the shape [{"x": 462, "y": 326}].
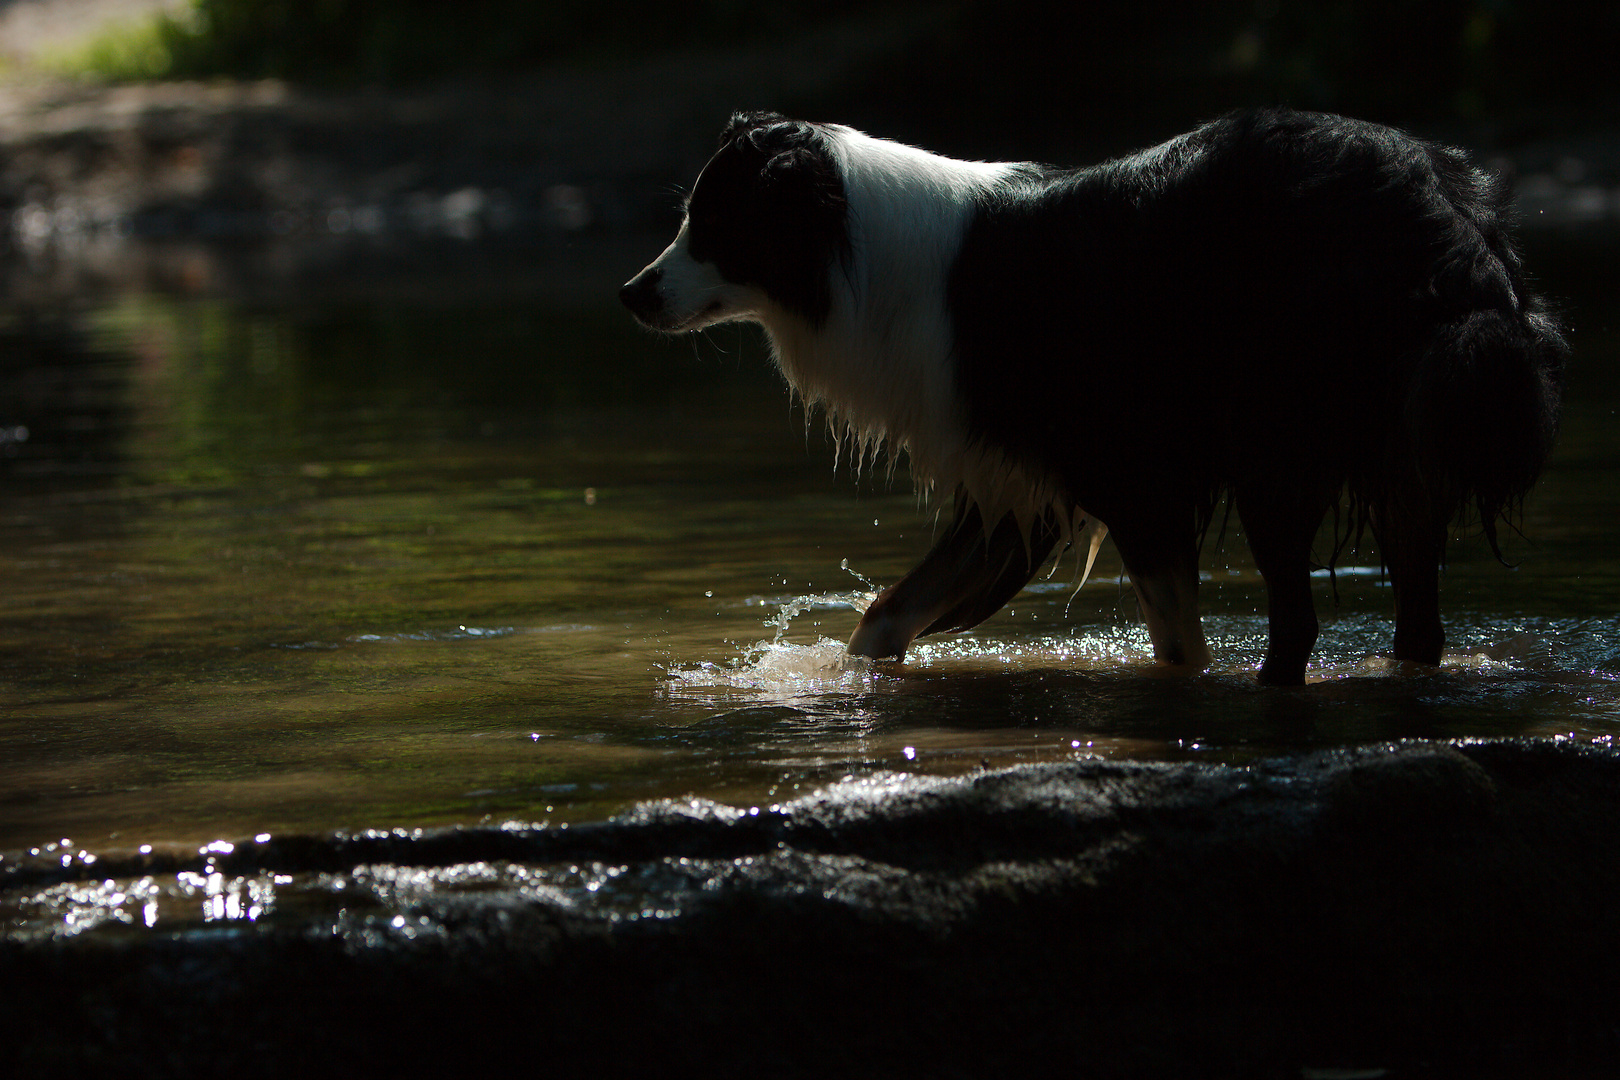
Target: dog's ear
[
  {"x": 789, "y": 165},
  {"x": 804, "y": 169}
]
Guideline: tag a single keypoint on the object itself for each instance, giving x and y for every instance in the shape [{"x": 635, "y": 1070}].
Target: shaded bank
[
  {"x": 244, "y": 188},
  {"x": 1401, "y": 907},
  {"x": 219, "y": 186}
]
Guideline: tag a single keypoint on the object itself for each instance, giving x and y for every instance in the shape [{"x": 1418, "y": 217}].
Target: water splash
[
  {"x": 855, "y": 600},
  {"x": 872, "y": 590},
  {"x": 779, "y": 668},
  {"x": 798, "y": 605},
  {"x": 777, "y": 671}
]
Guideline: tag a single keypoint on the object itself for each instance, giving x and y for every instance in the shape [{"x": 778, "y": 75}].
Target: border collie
[{"x": 1296, "y": 311}]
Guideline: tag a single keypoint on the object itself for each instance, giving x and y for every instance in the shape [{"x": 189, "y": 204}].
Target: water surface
[{"x": 411, "y": 560}]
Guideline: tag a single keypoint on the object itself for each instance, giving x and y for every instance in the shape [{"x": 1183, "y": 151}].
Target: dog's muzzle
[{"x": 640, "y": 294}]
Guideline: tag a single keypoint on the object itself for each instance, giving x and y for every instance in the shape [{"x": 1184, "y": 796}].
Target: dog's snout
[{"x": 640, "y": 294}]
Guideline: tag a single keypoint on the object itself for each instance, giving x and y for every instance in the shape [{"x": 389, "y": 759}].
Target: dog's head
[{"x": 765, "y": 223}]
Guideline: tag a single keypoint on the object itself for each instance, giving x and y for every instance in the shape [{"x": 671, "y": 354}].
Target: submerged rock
[{"x": 1402, "y": 907}]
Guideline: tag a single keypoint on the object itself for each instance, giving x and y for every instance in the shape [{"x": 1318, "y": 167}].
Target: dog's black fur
[{"x": 1279, "y": 307}]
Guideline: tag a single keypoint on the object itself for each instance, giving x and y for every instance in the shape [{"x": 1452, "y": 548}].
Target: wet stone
[{"x": 1404, "y": 907}]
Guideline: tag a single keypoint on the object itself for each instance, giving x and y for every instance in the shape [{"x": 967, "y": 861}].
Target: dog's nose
[{"x": 640, "y": 294}]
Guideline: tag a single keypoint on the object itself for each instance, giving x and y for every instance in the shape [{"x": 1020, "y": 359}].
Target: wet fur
[{"x": 1283, "y": 308}]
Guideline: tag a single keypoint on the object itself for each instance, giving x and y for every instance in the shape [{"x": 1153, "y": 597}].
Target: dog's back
[{"x": 1272, "y": 291}]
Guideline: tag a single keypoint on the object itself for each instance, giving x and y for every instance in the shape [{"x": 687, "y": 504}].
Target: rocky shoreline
[{"x": 1400, "y": 909}]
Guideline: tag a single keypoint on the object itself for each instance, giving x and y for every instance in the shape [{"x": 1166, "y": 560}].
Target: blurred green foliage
[{"x": 394, "y": 41}]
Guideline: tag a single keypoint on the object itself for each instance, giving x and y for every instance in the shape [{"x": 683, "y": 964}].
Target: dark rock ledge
[{"x": 1419, "y": 908}]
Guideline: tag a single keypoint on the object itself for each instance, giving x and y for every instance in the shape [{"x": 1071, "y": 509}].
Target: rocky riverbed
[{"x": 1391, "y": 911}]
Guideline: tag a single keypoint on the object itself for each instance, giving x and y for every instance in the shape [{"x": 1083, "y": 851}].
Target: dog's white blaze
[{"x": 880, "y": 365}]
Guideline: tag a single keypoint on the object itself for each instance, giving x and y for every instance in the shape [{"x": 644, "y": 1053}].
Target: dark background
[{"x": 977, "y": 64}]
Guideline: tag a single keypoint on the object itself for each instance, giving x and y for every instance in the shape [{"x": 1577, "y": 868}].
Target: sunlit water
[{"x": 399, "y": 564}]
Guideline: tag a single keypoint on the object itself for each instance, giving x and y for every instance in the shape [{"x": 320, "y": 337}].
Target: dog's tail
[{"x": 1482, "y": 409}]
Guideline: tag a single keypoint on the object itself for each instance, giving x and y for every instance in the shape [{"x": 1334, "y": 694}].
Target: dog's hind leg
[
  {"x": 1163, "y": 566},
  {"x": 1281, "y": 524},
  {"x": 1414, "y": 545}
]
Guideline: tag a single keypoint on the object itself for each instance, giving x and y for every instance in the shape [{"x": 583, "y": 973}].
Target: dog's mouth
[
  {"x": 660, "y": 321},
  {"x": 648, "y": 303},
  {"x": 673, "y": 322},
  {"x": 708, "y": 313}
]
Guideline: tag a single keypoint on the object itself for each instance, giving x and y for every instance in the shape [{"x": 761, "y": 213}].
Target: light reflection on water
[
  {"x": 384, "y": 566},
  {"x": 403, "y": 903}
]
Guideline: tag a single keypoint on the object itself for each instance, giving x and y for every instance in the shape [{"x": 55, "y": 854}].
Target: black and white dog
[{"x": 1279, "y": 307}]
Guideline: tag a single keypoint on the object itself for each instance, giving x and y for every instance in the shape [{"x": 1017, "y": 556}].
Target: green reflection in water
[{"x": 340, "y": 573}]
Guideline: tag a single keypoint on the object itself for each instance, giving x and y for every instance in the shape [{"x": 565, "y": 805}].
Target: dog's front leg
[
  {"x": 1162, "y": 561},
  {"x": 967, "y": 577}
]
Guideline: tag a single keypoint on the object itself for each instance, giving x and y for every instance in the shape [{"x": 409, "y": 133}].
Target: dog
[{"x": 1296, "y": 312}]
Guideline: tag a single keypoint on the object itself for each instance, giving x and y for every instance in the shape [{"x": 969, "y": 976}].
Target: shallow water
[{"x": 401, "y": 562}]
